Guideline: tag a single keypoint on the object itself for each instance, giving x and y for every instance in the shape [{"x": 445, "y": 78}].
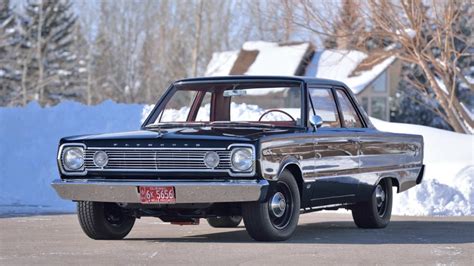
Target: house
[{"x": 373, "y": 78}]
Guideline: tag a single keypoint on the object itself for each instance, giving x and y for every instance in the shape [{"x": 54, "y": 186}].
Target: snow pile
[
  {"x": 448, "y": 184},
  {"x": 339, "y": 65},
  {"x": 29, "y": 139}
]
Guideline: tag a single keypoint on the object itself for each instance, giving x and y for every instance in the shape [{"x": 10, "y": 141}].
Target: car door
[{"x": 336, "y": 148}]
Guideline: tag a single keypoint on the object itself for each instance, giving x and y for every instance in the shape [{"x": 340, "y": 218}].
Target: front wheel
[
  {"x": 101, "y": 220},
  {"x": 277, "y": 218},
  {"x": 377, "y": 211}
]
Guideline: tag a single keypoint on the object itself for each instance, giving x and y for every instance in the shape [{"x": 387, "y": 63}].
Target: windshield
[{"x": 246, "y": 105}]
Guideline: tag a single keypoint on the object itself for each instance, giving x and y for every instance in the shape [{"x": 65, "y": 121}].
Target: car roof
[{"x": 234, "y": 78}]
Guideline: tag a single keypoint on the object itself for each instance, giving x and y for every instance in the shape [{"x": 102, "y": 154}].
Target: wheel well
[
  {"x": 296, "y": 172},
  {"x": 394, "y": 182}
]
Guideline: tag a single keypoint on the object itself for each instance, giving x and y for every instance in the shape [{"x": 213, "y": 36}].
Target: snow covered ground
[{"x": 29, "y": 138}]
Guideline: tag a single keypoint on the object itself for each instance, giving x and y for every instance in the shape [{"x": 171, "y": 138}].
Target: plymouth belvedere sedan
[{"x": 261, "y": 149}]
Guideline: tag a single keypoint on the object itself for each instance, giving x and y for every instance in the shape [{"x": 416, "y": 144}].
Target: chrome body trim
[
  {"x": 232, "y": 172},
  {"x": 82, "y": 171},
  {"x": 187, "y": 191}
]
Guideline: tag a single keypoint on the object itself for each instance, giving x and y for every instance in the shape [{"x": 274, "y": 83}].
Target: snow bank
[
  {"x": 448, "y": 184},
  {"x": 29, "y": 138}
]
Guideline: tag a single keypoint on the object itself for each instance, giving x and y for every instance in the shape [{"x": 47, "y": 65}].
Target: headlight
[
  {"x": 73, "y": 158},
  {"x": 101, "y": 158},
  {"x": 211, "y": 159},
  {"x": 242, "y": 159}
]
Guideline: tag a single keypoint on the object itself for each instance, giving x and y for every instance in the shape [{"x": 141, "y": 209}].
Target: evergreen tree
[
  {"x": 464, "y": 27},
  {"x": 412, "y": 107},
  {"x": 375, "y": 42},
  {"x": 53, "y": 61}
]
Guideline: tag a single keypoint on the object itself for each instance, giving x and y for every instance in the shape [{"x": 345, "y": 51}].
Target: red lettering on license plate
[{"x": 157, "y": 195}]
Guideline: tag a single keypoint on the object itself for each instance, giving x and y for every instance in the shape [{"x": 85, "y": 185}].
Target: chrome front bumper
[{"x": 126, "y": 191}]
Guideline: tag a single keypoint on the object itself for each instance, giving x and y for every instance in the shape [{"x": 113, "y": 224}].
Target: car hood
[{"x": 241, "y": 134}]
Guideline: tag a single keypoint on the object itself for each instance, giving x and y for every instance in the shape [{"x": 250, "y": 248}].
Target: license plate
[{"x": 157, "y": 195}]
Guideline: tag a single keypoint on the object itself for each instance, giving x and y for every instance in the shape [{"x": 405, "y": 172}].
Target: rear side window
[
  {"x": 324, "y": 106},
  {"x": 349, "y": 114}
]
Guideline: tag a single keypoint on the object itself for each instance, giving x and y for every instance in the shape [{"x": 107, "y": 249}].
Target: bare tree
[
  {"x": 10, "y": 93},
  {"x": 199, "y": 10},
  {"x": 87, "y": 22},
  {"x": 271, "y": 20},
  {"x": 421, "y": 34}
]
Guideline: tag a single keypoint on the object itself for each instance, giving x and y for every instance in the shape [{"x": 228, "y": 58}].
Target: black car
[{"x": 264, "y": 149}]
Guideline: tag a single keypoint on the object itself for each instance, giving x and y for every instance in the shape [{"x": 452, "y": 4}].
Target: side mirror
[{"x": 316, "y": 121}]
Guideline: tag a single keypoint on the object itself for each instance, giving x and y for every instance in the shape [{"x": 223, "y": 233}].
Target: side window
[
  {"x": 349, "y": 114},
  {"x": 325, "y": 106}
]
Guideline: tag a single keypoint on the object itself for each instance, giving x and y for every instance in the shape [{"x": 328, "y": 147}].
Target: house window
[
  {"x": 379, "y": 108},
  {"x": 380, "y": 84},
  {"x": 365, "y": 103}
]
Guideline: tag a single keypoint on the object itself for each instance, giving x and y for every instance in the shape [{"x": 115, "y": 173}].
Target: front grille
[{"x": 165, "y": 159}]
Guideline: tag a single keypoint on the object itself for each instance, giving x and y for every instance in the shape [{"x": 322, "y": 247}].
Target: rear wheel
[
  {"x": 101, "y": 220},
  {"x": 224, "y": 221},
  {"x": 277, "y": 218},
  {"x": 377, "y": 211}
]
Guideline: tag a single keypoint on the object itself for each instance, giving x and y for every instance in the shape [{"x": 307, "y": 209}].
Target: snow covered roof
[
  {"x": 354, "y": 68},
  {"x": 221, "y": 63},
  {"x": 260, "y": 58},
  {"x": 345, "y": 66},
  {"x": 276, "y": 59}
]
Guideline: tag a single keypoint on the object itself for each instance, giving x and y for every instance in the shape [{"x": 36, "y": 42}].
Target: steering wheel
[{"x": 278, "y": 111}]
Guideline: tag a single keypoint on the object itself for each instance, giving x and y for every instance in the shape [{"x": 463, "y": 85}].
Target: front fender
[
  {"x": 289, "y": 160},
  {"x": 272, "y": 167}
]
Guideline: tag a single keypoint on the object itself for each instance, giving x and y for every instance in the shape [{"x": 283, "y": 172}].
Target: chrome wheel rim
[
  {"x": 381, "y": 198},
  {"x": 280, "y": 206}
]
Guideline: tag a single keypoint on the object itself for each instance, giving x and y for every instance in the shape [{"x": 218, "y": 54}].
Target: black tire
[
  {"x": 375, "y": 213},
  {"x": 225, "y": 221},
  {"x": 261, "y": 219},
  {"x": 101, "y": 220}
]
